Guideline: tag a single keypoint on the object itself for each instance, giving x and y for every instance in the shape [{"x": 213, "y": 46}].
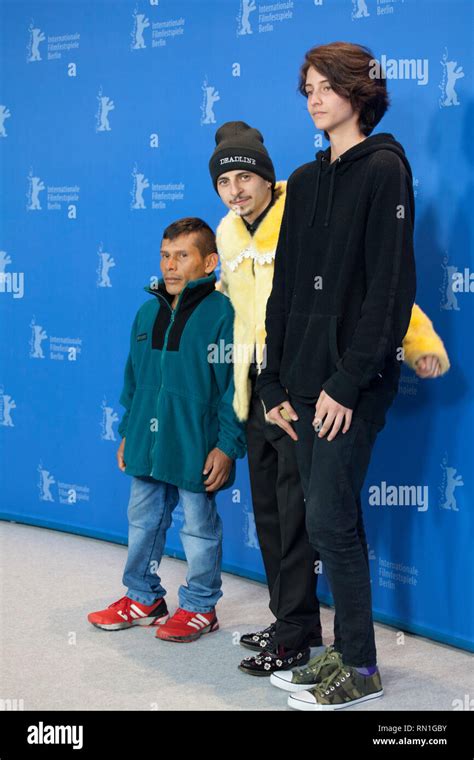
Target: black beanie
[{"x": 239, "y": 146}]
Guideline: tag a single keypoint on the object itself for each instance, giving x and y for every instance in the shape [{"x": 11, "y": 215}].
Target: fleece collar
[{"x": 193, "y": 292}]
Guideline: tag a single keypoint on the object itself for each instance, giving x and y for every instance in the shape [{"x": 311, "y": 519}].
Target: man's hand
[
  {"x": 428, "y": 366},
  {"x": 218, "y": 466},
  {"x": 280, "y": 414},
  {"x": 120, "y": 460},
  {"x": 329, "y": 416}
]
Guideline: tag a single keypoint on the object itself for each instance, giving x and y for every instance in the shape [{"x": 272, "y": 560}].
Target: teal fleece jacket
[{"x": 178, "y": 389}]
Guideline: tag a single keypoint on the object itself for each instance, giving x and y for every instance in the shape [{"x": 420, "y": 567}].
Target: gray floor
[{"x": 51, "y": 658}]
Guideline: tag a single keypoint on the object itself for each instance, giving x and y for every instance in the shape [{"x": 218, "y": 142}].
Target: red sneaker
[
  {"x": 126, "y": 612},
  {"x": 186, "y": 626}
]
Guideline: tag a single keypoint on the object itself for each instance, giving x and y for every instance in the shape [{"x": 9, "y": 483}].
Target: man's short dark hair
[
  {"x": 205, "y": 239},
  {"x": 350, "y": 71}
]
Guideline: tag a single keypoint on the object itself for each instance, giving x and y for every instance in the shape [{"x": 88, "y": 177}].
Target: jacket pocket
[
  {"x": 139, "y": 435},
  {"x": 184, "y": 440},
  {"x": 310, "y": 352}
]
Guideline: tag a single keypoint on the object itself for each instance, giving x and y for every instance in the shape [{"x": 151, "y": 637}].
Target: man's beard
[{"x": 238, "y": 209}]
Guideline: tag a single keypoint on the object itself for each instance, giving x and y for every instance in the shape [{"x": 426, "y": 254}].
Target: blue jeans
[{"x": 149, "y": 517}]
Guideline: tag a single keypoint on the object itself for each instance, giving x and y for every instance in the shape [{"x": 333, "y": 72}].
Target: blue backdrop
[{"x": 108, "y": 111}]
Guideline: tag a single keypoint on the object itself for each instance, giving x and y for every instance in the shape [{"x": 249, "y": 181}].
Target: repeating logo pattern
[{"x": 90, "y": 151}]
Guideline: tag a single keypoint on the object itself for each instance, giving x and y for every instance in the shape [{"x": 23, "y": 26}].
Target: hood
[{"x": 382, "y": 141}]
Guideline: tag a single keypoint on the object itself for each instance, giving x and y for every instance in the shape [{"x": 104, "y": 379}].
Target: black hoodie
[{"x": 344, "y": 281}]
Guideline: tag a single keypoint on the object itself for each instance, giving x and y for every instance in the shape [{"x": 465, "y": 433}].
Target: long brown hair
[{"x": 350, "y": 70}]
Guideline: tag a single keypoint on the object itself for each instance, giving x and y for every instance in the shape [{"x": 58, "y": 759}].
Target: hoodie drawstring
[
  {"x": 331, "y": 193},
  {"x": 315, "y": 200},
  {"x": 330, "y": 196}
]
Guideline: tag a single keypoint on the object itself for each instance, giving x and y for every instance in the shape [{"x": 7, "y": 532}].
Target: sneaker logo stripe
[{"x": 139, "y": 612}]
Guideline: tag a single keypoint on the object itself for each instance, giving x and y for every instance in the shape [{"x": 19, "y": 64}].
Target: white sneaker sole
[
  {"x": 139, "y": 621},
  {"x": 280, "y": 683},
  {"x": 192, "y": 636},
  {"x": 298, "y": 704}
]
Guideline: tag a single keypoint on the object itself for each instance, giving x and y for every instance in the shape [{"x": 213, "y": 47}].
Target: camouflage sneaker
[
  {"x": 343, "y": 688},
  {"x": 317, "y": 669}
]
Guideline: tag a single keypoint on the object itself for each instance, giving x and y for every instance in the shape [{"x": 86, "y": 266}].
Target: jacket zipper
[{"x": 165, "y": 343}]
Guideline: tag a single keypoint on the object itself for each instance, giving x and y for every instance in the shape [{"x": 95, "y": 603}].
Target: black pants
[
  {"x": 332, "y": 476},
  {"x": 279, "y": 510}
]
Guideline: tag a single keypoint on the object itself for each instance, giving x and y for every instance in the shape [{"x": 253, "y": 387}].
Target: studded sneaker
[
  {"x": 258, "y": 640},
  {"x": 267, "y": 662}
]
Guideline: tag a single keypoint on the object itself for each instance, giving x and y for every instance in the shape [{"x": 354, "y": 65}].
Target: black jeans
[
  {"x": 279, "y": 509},
  {"x": 332, "y": 476}
]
